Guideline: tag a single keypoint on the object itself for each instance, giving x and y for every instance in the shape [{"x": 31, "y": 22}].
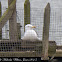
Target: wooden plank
[
  {"x": 13, "y": 24},
  {"x": 18, "y": 54},
  {"x": 7, "y": 14},
  {"x": 27, "y": 45},
  {"x": 8, "y": 45},
  {"x": 25, "y": 54},
  {"x": 45, "y": 37}
]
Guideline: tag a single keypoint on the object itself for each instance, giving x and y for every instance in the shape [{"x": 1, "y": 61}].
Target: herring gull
[{"x": 30, "y": 33}]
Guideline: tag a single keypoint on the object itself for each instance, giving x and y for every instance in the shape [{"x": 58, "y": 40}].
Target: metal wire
[{"x": 36, "y": 19}]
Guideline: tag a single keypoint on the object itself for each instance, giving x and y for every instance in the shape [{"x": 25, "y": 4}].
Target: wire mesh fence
[{"x": 36, "y": 19}]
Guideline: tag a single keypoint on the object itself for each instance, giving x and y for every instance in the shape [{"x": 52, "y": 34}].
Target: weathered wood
[
  {"x": 20, "y": 45},
  {"x": 18, "y": 31},
  {"x": 57, "y": 54},
  {"x": 7, "y": 14},
  {"x": 45, "y": 37},
  {"x": 0, "y": 17},
  {"x": 18, "y": 54},
  {"x": 26, "y": 54},
  {"x": 13, "y": 23},
  {"x": 0, "y": 10},
  {"x": 8, "y": 51},
  {"x": 26, "y": 12}
]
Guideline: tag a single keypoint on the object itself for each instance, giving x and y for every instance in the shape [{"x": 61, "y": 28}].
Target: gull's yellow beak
[{"x": 33, "y": 26}]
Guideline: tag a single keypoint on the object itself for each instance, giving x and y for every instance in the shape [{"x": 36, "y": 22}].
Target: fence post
[
  {"x": 1, "y": 29},
  {"x": 13, "y": 24},
  {"x": 45, "y": 37},
  {"x": 26, "y": 13},
  {"x": 18, "y": 31}
]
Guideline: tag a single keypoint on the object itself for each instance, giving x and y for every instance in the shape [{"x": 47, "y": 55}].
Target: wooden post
[
  {"x": 1, "y": 28},
  {"x": 7, "y": 14},
  {"x": 45, "y": 38},
  {"x": 26, "y": 12},
  {"x": 13, "y": 24},
  {"x": 18, "y": 31},
  {"x": 0, "y": 9}
]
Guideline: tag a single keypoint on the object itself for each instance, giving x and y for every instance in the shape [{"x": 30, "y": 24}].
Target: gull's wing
[{"x": 30, "y": 35}]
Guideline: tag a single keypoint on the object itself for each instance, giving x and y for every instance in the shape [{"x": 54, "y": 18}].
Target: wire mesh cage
[{"x": 16, "y": 15}]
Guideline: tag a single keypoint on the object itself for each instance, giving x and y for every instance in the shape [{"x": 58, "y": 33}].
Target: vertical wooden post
[
  {"x": 13, "y": 24},
  {"x": 45, "y": 38},
  {"x": 26, "y": 12},
  {"x": 1, "y": 29},
  {"x": 18, "y": 31},
  {"x": 0, "y": 9}
]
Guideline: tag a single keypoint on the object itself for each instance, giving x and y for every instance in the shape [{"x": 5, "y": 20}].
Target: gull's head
[{"x": 29, "y": 27}]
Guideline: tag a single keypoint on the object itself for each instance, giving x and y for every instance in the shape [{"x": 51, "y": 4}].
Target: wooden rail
[{"x": 22, "y": 47}]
